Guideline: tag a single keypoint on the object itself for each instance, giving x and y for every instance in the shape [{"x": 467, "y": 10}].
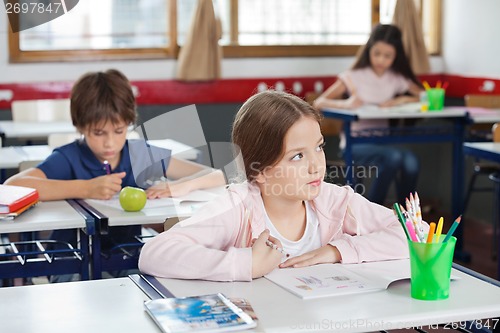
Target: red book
[{"x": 12, "y": 198}]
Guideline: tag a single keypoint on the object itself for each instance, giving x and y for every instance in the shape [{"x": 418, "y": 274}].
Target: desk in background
[
  {"x": 488, "y": 151},
  {"x": 33, "y": 130},
  {"x": 420, "y": 134},
  {"x": 12, "y": 157}
]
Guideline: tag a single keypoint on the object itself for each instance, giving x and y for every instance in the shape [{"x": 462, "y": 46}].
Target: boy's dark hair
[
  {"x": 261, "y": 124},
  {"x": 99, "y": 97},
  {"x": 391, "y": 35}
]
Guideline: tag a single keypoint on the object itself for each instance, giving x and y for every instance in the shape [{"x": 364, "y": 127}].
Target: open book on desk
[
  {"x": 328, "y": 280},
  {"x": 402, "y": 108},
  {"x": 197, "y": 197}
]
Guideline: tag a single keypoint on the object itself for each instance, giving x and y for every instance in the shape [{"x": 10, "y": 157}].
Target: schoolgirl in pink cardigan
[{"x": 283, "y": 204}]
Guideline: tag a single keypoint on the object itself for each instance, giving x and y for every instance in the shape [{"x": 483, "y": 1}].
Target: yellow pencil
[
  {"x": 439, "y": 229},
  {"x": 431, "y": 232},
  {"x": 426, "y": 85}
]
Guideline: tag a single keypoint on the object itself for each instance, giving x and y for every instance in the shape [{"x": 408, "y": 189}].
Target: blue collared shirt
[{"x": 142, "y": 163}]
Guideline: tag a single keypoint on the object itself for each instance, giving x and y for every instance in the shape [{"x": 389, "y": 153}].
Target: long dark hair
[{"x": 391, "y": 35}]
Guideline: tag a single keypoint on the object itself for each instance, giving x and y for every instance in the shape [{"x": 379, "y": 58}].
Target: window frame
[{"x": 229, "y": 51}]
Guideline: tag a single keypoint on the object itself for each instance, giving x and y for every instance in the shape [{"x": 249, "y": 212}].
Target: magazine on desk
[
  {"x": 327, "y": 280},
  {"x": 208, "y": 313}
]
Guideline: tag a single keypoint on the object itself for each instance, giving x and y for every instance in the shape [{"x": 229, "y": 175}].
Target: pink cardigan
[{"x": 211, "y": 244}]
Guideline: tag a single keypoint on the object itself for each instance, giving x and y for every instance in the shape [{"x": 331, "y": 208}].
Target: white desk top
[
  {"x": 18, "y": 129},
  {"x": 374, "y": 112},
  {"x": 111, "y": 306},
  {"x": 156, "y": 210},
  {"x": 179, "y": 150},
  {"x": 483, "y": 115},
  {"x": 11, "y": 157},
  {"x": 49, "y": 215},
  {"x": 280, "y": 311},
  {"x": 492, "y": 147}
]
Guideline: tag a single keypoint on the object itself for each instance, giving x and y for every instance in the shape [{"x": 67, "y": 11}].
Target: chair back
[
  {"x": 329, "y": 127},
  {"x": 41, "y": 110},
  {"x": 496, "y": 132},
  {"x": 28, "y": 164},
  {"x": 484, "y": 101},
  {"x": 55, "y": 140},
  {"x": 481, "y": 131}
]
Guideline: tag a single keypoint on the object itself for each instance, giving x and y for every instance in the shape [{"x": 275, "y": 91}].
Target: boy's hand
[
  {"x": 105, "y": 187},
  {"x": 264, "y": 258},
  {"x": 325, "y": 254}
]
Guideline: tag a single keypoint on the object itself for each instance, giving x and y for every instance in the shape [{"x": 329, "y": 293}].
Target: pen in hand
[
  {"x": 275, "y": 247},
  {"x": 107, "y": 167}
]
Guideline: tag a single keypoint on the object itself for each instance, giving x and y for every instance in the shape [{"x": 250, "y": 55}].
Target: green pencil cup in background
[
  {"x": 431, "y": 269},
  {"x": 435, "y": 99}
]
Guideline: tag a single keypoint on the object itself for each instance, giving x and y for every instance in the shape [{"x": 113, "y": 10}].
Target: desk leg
[
  {"x": 348, "y": 154},
  {"x": 457, "y": 182}
]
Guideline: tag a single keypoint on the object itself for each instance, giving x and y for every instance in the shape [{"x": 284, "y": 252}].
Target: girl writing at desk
[
  {"x": 283, "y": 204},
  {"x": 381, "y": 75}
]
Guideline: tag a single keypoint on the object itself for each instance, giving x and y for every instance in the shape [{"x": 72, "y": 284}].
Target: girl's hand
[
  {"x": 353, "y": 102},
  {"x": 264, "y": 258},
  {"x": 105, "y": 187},
  {"x": 325, "y": 254},
  {"x": 398, "y": 101},
  {"x": 167, "y": 189}
]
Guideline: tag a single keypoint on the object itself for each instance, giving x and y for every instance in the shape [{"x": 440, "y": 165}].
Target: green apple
[{"x": 132, "y": 199}]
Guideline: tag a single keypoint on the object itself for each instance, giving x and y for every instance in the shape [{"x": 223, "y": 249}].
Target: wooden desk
[
  {"x": 280, "y": 311},
  {"x": 111, "y": 306}
]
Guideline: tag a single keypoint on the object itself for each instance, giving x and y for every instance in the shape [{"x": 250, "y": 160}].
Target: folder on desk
[
  {"x": 11, "y": 215},
  {"x": 14, "y": 198}
]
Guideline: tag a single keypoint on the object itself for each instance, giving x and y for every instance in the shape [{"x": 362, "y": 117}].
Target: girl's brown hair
[
  {"x": 99, "y": 97},
  {"x": 261, "y": 124}
]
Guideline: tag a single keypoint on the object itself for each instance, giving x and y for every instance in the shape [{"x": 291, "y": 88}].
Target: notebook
[{"x": 13, "y": 198}]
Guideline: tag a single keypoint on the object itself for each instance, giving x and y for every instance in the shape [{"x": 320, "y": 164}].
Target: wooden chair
[
  {"x": 481, "y": 132},
  {"x": 492, "y": 171},
  {"x": 481, "y": 168},
  {"x": 329, "y": 127},
  {"x": 55, "y": 140}
]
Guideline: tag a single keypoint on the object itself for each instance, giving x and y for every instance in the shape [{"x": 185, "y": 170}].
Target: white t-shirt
[{"x": 310, "y": 240}]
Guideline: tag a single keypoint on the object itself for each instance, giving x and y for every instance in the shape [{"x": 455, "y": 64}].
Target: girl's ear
[{"x": 260, "y": 178}]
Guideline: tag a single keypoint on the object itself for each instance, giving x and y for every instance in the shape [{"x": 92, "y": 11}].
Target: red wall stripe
[{"x": 164, "y": 92}]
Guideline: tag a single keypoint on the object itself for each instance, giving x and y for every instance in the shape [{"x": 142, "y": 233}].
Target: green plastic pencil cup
[
  {"x": 435, "y": 99},
  {"x": 431, "y": 269}
]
